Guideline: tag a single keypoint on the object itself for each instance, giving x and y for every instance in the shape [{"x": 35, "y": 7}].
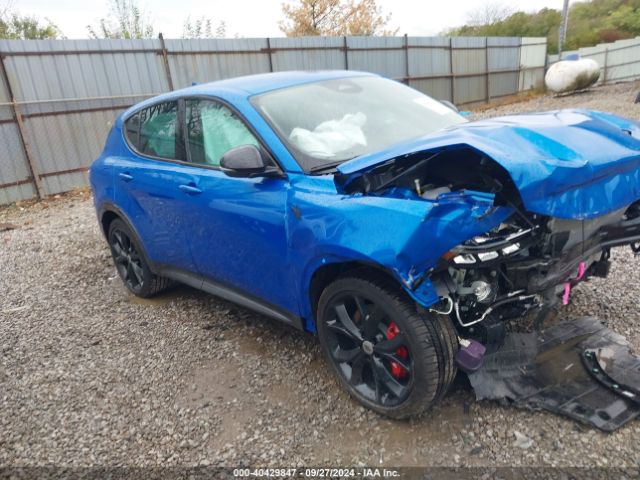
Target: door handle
[
  {"x": 125, "y": 176},
  {"x": 190, "y": 189}
]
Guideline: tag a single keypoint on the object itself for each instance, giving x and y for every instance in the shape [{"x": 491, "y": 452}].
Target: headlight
[
  {"x": 486, "y": 256},
  {"x": 511, "y": 249},
  {"x": 464, "y": 259}
]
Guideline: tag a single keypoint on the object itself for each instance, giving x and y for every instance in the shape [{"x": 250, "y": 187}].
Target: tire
[
  {"x": 130, "y": 262},
  {"x": 363, "y": 353}
]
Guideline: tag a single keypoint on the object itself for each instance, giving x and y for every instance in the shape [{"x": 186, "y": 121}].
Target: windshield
[{"x": 327, "y": 123}]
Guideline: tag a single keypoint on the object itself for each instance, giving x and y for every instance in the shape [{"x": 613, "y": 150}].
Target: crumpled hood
[{"x": 567, "y": 163}]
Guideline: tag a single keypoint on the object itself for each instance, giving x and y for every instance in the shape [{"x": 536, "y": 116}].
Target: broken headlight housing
[
  {"x": 475, "y": 275},
  {"x": 503, "y": 241}
]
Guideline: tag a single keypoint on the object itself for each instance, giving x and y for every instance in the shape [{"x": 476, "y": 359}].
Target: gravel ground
[{"x": 91, "y": 376}]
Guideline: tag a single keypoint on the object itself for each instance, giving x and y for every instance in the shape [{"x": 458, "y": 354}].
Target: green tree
[
  {"x": 125, "y": 20},
  {"x": 27, "y": 27},
  {"x": 15, "y": 26},
  {"x": 590, "y": 22},
  {"x": 544, "y": 23}
]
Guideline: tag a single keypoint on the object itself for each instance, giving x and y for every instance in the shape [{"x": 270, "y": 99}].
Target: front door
[{"x": 236, "y": 226}]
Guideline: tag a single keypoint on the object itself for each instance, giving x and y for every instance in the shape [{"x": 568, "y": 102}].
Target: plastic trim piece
[{"x": 231, "y": 294}]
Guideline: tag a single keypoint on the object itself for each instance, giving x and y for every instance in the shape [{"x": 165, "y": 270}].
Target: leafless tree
[{"x": 489, "y": 13}]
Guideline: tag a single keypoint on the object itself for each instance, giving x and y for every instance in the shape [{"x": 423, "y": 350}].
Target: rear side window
[
  {"x": 154, "y": 131},
  {"x": 132, "y": 130},
  {"x": 212, "y": 130}
]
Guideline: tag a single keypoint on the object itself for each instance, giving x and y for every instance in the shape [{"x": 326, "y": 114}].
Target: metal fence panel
[
  {"x": 469, "y": 55},
  {"x": 308, "y": 53},
  {"x": 40, "y": 72},
  {"x": 469, "y": 65},
  {"x": 429, "y": 56},
  {"x": 533, "y": 57},
  {"x": 14, "y": 173},
  {"x": 68, "y": 92},
  {"x": 503, "y": 55},
  {"x": 14, "y": 193},
  {"x": 61, "y": 144},
  {"x": 206, "y": 60},
  {"x": 15, "y": 177},
  {"x": 383, "y": 55},
  {"x": 622, "y": 61},
  {"x": 61, "y": 84},
  {"x": 438, "y": 88},
  {"x": 503, "y": 84}
]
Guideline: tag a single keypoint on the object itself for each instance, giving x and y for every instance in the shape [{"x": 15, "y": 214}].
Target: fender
[
  {"x": 110, "y": 207},
  {"x": 402, "y": 236},
  {"x": 424, "y": 294}
]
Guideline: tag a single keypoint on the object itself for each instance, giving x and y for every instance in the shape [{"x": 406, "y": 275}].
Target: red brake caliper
[{"x": 397, "y": 370}]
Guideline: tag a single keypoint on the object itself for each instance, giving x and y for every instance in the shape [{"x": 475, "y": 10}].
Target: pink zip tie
[
  {"x": 567, "y": 292},
  {"x": 581, "y": 269}
]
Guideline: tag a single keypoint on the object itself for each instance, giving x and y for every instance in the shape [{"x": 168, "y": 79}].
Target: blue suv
[{"x": 361, "y": 210}]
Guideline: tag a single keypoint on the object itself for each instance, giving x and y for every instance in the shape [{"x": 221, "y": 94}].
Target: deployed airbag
[{"x": 331, "y": 137}]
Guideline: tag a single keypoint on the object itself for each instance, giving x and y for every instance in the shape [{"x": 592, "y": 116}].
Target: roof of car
[
  {"x": 249, "y": 85},
  {"x": 261, "y": 83}
]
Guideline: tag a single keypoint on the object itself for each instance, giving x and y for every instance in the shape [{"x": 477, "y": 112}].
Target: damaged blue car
[{"x": 361, "y": 210}]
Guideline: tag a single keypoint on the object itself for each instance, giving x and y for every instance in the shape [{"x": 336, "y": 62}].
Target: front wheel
[{"x": 388, "y": 356}]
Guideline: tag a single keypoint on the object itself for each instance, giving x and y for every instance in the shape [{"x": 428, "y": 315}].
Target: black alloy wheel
[
  {"x": 375, "y": 364},
  {"x": 127, "y": 260},
  {"x": 385, "y": 354},
  {"x": 130, "y": 262}
]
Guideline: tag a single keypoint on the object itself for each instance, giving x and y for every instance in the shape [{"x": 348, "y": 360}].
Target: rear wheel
[
  {"x": 387, "y": 355},
  {"x": 130, "y": 262}
]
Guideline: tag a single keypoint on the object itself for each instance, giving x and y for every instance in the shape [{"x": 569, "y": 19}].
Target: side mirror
[{"x": 246, "y": 161}]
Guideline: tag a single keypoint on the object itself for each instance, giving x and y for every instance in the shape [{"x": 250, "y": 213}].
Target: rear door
[{"x": 150, "y": 180}]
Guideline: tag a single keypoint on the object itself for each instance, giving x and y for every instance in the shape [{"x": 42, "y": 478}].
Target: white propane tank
[{"x": 571, "y": 75}]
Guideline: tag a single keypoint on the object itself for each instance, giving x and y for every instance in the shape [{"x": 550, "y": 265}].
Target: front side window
[
  {"x": 154, "y": 131},
  {"x": 211, "y": 130},
  {"x": 329, "y": 122}
]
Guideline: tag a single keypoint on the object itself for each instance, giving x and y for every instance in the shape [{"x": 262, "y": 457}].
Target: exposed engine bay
[{"x": 527, "y": 262}]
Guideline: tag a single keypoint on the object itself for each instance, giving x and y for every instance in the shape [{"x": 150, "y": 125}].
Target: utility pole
[{"x": 562, "y": 32}]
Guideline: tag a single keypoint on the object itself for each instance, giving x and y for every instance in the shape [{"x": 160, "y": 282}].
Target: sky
[{"x": 258, "y": 18}]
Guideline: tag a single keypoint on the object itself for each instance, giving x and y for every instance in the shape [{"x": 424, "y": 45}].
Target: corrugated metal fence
[
  {"x": 619, "y": 61},
  {"x": 58, "y": 98}
]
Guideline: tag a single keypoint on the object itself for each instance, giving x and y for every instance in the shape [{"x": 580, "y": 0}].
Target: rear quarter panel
[{"x": 101, "y": 172}]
